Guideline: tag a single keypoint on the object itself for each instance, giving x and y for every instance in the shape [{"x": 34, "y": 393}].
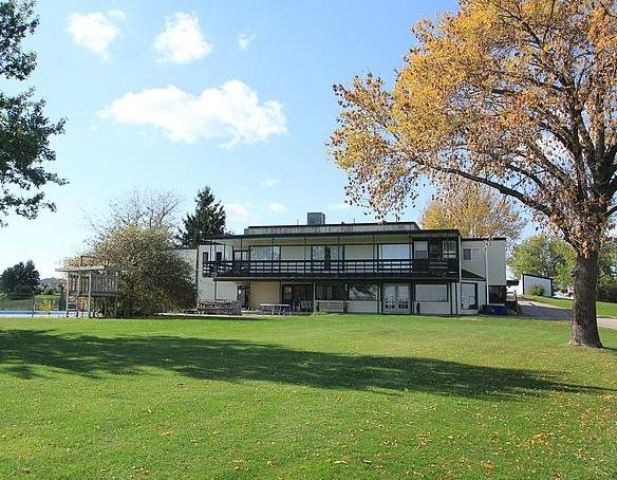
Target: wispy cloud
[
  {"x": 95, "y": 31},
  {"x": 277, "y": 207},
  {"x": 269, "y": 182},
  {"x": 231, "y": 112},
  {"x": 238, "y": 211},
  {"x": 245, "y": 40},
  {"x": 182, "y": 40}
]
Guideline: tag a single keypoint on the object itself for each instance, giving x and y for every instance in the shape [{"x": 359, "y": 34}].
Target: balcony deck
[{"x": 427, "y": 269}]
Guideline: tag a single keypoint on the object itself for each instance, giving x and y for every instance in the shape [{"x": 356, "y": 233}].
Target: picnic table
[{"x": 275, "y": 308}]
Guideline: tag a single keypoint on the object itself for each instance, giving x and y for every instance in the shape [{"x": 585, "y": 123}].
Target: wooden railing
[{"x": 424, "y": 268}]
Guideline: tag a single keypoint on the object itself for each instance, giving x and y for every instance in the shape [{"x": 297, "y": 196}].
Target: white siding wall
[
  {"x": 362, "y": 306},
  {"x": 264, "y": 292},
  {"x": 496, "y": 260},
  {"x": 206, "y": 287}
]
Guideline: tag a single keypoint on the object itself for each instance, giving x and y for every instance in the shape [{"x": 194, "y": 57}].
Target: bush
[
  {"x": 607, "y": 290},
  {"x": 537, "y": 290}
]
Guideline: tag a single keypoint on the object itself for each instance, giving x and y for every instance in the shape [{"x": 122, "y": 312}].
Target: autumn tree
[
  {"x": 475, "y": 210},
  {"x": 208, "y": 219},
  {"x": 25, "y": 130},
  {"x": 135, "y": 233},
  {"x": 516, "y": 95},
  {"x": 144, "y": 208},
  {"x": 154, "y": 278}
]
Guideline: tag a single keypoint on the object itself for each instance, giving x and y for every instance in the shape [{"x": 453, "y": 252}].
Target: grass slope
[
  {"x": 605, "y": 309},
  {"x": 311, "y": 397}
]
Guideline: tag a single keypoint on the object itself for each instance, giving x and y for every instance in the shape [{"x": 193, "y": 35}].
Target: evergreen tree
[
  {"x": 24, "y": 129},
  {"x": 209, "y": 219},
  {"x": 20, "y": 279}
]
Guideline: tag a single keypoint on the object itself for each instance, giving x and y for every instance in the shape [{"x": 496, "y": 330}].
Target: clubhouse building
[{"x": 389, "y": 268}]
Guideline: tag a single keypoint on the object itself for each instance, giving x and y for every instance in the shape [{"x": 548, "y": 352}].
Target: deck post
[
  {"x": 68, "y": 289},
  {"x": 314, "y": 298},
  {"x": 90, "y": 295}
]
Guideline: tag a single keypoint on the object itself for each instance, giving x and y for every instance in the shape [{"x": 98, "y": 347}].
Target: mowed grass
[
  {"x": 305, "y": 398},
  {"x": 604, "y": 309}
]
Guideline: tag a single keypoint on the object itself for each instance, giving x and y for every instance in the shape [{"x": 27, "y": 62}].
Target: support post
[
  {"x": 68, "y": 289},
  {"x": 90, "y": 295},
  {"x": 314, "y": 299}
]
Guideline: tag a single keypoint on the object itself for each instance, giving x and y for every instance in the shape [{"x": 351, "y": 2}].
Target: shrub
[
  {"x": 607, "y": 290},
  {"x": 537, "y": 290}
]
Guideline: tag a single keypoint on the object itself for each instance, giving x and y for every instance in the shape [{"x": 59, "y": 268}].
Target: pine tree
[
  {"x": 20, "y": 279},
  {"x": 24, "y": 129},
  {"x": 209, "y": 219}
]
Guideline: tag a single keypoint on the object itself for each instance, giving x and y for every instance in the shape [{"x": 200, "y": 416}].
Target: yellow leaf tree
[
  {"x": 474, "y": 210},
  {"x": 516, "y": 95}
]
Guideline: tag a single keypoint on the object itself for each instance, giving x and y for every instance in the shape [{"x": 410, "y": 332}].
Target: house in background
[{"x": 390, "y": 268}]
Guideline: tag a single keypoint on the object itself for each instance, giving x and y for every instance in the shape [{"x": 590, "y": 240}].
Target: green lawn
[
  {"x": 305, "y": 398},
  {"x": 605, "y": 309}
]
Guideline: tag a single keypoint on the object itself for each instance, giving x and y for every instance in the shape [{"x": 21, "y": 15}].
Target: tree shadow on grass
[{"x": 23, "y": 351}]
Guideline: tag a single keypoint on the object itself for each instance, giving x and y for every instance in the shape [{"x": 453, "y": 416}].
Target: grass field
[
  {"x": 605, "y": 309},
  {"x": 305, "y": 398}
]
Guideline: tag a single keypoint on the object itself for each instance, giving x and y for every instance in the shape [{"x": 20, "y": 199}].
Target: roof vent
[{"x": 315, "y": 218}]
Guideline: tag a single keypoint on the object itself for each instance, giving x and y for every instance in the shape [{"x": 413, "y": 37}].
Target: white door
[{"x": 396, "y": 298}]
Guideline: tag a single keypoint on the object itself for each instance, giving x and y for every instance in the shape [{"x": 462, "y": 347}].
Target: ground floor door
[
  {"x": 396, "y": 298},
  {"x": 299, "y": 297},
  {"x": 243, "y": 296}
]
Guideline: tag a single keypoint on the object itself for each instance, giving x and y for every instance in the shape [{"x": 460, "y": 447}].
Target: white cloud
[
  {"x": 269, "y": 182},
  {"x": 277, "y": 207},
  {"x": 182, "y": 40},
  {"x": 231, "y": 112},
  {"x": 339, "y": 206},
  {"x": 95, "y": 31},
  {"x": 245, "y": 40},
  {"x": 238, "y": 211}
]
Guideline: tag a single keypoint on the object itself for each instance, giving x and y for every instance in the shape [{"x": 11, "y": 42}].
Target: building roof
[
  {"x": 333, "y": 228},
  {"x": 467, "y": 275}
]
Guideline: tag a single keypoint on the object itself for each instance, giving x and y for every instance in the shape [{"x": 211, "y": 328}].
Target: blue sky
[{"x": 177, "y": 95}]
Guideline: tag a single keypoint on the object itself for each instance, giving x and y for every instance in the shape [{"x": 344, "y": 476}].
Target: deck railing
[{"x": 424, "y": 268}]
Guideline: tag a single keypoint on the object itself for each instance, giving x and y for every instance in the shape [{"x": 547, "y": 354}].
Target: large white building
[{"x": 390, "y": 268}]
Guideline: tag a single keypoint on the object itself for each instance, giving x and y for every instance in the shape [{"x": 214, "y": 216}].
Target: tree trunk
[{"x": 584, "y": 329}]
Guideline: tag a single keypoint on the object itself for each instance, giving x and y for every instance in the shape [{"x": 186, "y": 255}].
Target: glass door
[
  {"x": 396, "y": 298},
  {"x": 389, "y": 298}
]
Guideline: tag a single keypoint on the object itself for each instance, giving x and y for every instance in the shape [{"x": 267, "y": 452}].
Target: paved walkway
[{"x": 551, "y": 312}]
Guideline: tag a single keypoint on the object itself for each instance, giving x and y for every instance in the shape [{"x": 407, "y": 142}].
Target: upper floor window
[
  {"x": 269, "y": 253},
  {"x": 434, "y": 249},
  {"x": 449, "y": 249},
  {"x": 471, "y": 254},
  {"x": 395, "y": 251},
  {"x": 420, "y": 249},
  {"x": 327, "y": 252}
]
